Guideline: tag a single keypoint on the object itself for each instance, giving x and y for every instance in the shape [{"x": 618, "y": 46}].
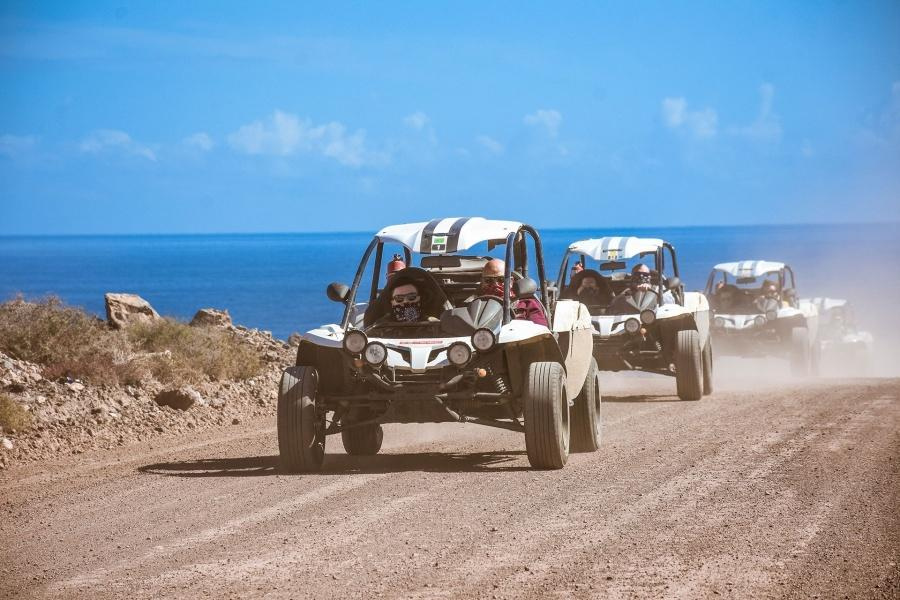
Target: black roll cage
[
  {"x": 515, "y": 258},
  {"x": 659, "y": 259}
]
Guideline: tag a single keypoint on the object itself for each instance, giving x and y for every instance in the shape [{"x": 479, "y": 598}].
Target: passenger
[
  {"x": 588, "y": 291},
  {"x": 492, "y": 281},
  {"x": 577, "y": 268}
]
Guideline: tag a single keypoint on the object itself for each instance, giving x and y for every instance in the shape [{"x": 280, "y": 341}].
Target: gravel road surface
[{"x": 788, "y": 491}]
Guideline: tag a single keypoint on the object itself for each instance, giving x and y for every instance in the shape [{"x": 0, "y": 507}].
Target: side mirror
[
  {"x": 337, "y": 292},
  {"x": 673, "y": 283},
  {"x": 525, "y": 287}
]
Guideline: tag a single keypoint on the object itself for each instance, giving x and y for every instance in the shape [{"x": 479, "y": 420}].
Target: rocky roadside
[{"x": 71, "y": 416}]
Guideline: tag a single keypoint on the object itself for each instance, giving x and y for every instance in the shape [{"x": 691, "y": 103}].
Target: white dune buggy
[
  {"x": 841, "y": 342},
  {"x": 662, "y": 329},
  {"x": 469, "y": 361},
  {"x": 748, "y": 322}
]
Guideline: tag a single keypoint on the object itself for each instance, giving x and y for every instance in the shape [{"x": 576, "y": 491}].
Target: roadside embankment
[{"x": 70, "y": 382}]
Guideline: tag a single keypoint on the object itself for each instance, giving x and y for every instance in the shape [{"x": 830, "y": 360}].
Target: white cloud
[
  {"x": 767, "y": 126},
  {"x": 701, "y": 123},
  {"x": 284, "y": 134},
  {"x": 199, "y": 141},
  {"x": 14, "y": 146},
  {"x": 418, "y": 120},
  {"x": 490, "y": 144},
  {"x": 545, "y": 118},
  {"x": 112, "y": 139}
]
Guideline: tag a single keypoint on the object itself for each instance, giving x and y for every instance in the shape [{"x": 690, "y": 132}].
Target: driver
[
  {"x": 768, "y": 293},
  {"x": 406, "y": 304},
  {"x": 492, "y": 279},
  {"x": 640, "y": 282}
]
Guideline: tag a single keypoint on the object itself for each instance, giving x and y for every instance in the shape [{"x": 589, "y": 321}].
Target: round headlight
[
  {"x": 355, "y": 341},
  {"x": 759, "y": 320},
  {"x": 648, "y": 316},
  {"x": 719, "y": 322},
  {"x": 772, "y": 315},
  {"x": 459, "y": 353},
  {"x": 632, "y": 325},
  {"x": 483, "y": 340},
  {"x": 375, "y": 353}
]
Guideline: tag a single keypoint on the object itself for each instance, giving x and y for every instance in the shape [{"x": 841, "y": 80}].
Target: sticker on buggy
[{"x": 439, "y": 243}]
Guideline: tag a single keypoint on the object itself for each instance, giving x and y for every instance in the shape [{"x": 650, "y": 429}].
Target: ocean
[{"x": 277, "y": 282}]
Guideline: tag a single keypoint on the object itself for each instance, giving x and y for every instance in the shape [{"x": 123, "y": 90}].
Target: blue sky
[{"x": 153, "y": 117}]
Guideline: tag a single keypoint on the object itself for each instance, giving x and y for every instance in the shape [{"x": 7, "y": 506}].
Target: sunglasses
[
  {"x": 406, "y": 298},
  {"x": 642, "y": 276},
  {"x": 497, "y": 279}
]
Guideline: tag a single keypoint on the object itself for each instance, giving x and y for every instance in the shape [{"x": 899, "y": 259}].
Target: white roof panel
[
  {"x": 749, "y": 268},
  {"x": 446, "y": 236},
  {"x": 615, "y": 248}
]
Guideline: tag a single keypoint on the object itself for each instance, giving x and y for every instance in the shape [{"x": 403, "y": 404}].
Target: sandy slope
[{"x": 790, "y": 491}]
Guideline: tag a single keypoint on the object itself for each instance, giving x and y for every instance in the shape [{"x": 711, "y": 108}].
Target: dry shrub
[
  {"x": 12, "y": 416},
  {"x": 195, "y": 352},
  {"x": 66, "y": 341}
]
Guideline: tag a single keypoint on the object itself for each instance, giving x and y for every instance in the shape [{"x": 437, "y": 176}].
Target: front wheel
[
  {"x": 800, "y": 354},
  {"x": 301, "y": 431},
  {"x": 546, "y": 416},
  {"x": 688, "y": 365},
  {"x": 364, "y": 440},
  {"x": 585, "y": 434}
]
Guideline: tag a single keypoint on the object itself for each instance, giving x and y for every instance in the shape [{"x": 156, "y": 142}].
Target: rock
[
  {"x": 123, "y": 310},
  {"x": 180, "y": 398},
  {"x": 6, "y": 443},
  {"x": 75, "y": 386},
  {"x": 217, "y": 403},
  {"x": 212, "y": 317},
  {"x": 294, "y": 339}
]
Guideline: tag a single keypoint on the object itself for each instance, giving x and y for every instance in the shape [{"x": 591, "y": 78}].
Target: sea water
[{"x": 277, "y": 281}]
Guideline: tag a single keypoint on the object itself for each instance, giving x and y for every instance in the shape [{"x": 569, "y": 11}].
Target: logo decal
[{"x": 439, "y": 243}]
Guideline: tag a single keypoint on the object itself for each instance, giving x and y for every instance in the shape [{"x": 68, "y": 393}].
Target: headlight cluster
[
  {"x": 719, "y": 322},
  {"x": 772, "y": 315},
  {"x": 648, "y": 316},
  {"x": 375, "y": 353},
  {"x": 459, "y": 353},
  {"x": 632, "y": 325},
  {"x": 355, "y": 341},
  {"x": 483, "y": 339},
  {"x": 759, "y": 321}
]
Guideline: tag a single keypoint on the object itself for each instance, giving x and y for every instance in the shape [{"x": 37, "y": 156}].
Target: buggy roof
[
  {"x": 749, "y": 268},
  {"x": 445, "y": 236},
  {"x": 616, "y": 247}
]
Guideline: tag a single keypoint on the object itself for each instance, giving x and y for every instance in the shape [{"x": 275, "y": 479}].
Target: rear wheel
[
  {"x": 364, "y": 440},
  {"x": 800, "y": 354},
  {"x": 546, "y": 416},
  {"x": 707, "y": 367},
  {"x": 688, "y": 365},
  {"x": 301, "y": 431},
  {"x": 585, "y": 433}
]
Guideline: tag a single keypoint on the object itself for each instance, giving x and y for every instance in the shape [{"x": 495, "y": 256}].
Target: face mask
[
  {"x": 492, "y": 289},
  {"x": 406, "y": 313}
]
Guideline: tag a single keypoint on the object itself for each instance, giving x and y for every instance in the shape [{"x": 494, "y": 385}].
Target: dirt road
[{"x": 791, "y": 491}]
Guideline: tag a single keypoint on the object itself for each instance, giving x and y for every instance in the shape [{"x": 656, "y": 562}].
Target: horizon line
[{"x": 370, "y": 232}]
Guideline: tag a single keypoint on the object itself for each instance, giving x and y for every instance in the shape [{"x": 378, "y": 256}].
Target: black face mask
[{"x": 406, "y": 313}]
